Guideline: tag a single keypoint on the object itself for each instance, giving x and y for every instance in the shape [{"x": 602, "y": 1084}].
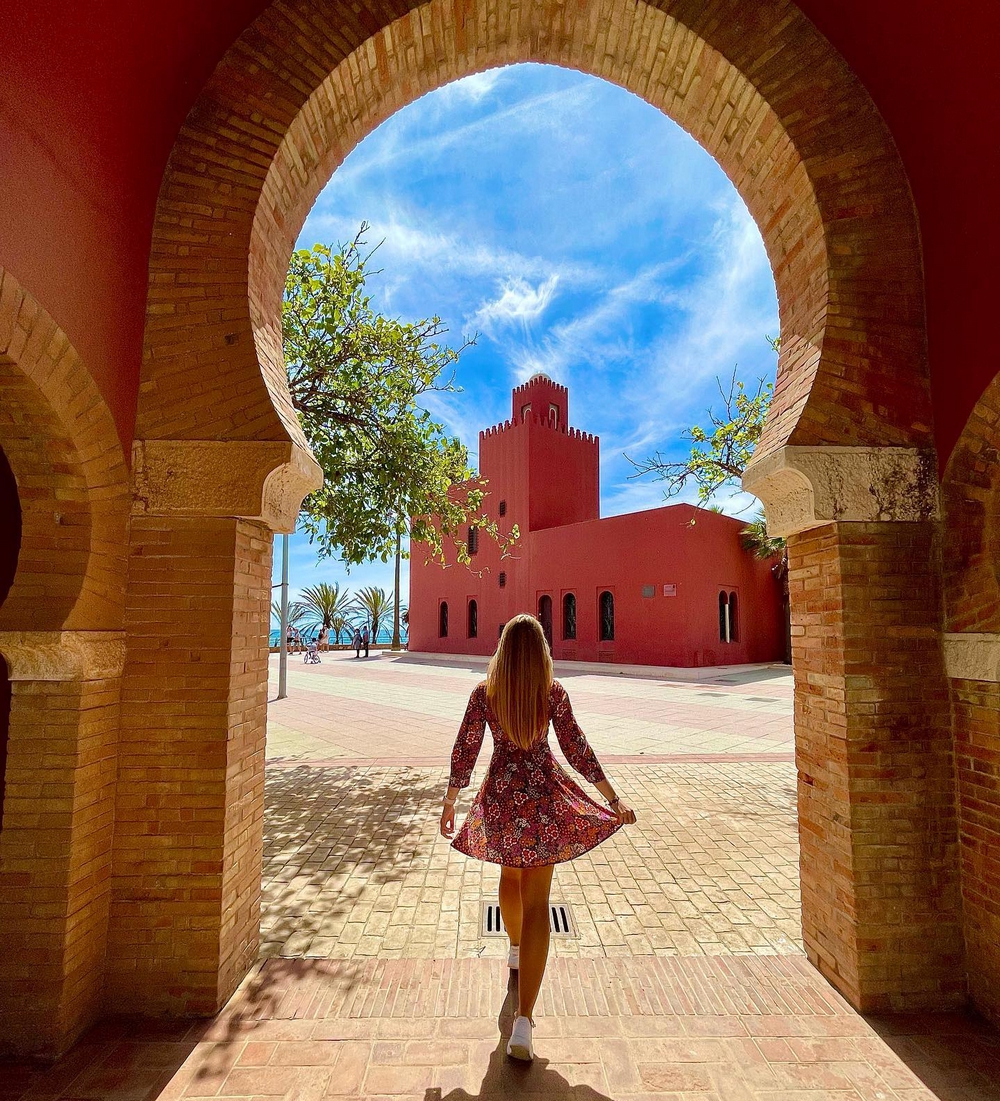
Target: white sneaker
[
  {"x": 513, "y": 957},
  {"x": 519, "y": 1044}
]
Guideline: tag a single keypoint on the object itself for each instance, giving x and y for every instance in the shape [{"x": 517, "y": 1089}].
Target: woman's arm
[
  {"x": 574, "y": 742},
  {"x": 463, "y": 757},
  {"x": 468, "y": 742},
  {"x": 579, "y": 754}
]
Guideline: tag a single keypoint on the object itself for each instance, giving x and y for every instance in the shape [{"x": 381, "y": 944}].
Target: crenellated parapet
[{"x": 541, "y": 422}]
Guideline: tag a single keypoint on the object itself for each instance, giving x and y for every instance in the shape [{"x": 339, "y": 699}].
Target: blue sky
[{"x": 578, "y": 231}]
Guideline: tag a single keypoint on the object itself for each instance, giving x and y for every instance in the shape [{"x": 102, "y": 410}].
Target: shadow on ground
[{"x": 325, "y": 826}]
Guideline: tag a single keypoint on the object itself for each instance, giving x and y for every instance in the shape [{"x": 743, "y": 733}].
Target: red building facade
[{"x": 667, "y": 586}]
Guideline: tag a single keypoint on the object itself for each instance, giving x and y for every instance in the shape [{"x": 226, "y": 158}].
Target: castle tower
[{"x": 549, "y": 471}]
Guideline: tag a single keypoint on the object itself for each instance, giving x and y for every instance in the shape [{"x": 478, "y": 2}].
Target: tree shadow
[{"x": 324, "y": 824}]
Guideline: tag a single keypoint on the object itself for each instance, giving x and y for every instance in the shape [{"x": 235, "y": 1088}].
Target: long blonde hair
[{"x": 519, "y": 679}]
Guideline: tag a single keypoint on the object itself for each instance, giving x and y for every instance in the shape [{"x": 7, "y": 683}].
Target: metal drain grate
[{"x": 561, "y": 923}]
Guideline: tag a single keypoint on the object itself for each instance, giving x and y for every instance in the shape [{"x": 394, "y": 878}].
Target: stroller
[{"x": 311, "y": 656}]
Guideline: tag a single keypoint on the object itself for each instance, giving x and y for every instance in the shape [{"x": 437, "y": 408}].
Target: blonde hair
[{"x": 519, "y": 679}]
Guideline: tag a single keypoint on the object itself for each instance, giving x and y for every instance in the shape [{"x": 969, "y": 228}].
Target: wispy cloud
[
  {"x": 518, "y": 303},
  {"x": 540, "y": 113}
]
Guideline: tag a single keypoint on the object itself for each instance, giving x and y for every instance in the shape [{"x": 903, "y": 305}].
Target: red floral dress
[{"x": 528, "y": 811}]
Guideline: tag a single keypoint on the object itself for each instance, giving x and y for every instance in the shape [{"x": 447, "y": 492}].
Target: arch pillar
[
  {"x": 185, "y": 905},
  {"x": 971, "y": 567},
  {"x": 55, "y": 841},
  {"x": 877, "y": 817}
]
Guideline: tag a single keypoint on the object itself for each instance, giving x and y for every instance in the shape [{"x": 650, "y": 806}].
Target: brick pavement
[
  {"x": 640, "y": 1029},
  {"x": 686, "y": 983},
  {"x": 402, "y": 707},
  {"x": 354, "y": 865}
]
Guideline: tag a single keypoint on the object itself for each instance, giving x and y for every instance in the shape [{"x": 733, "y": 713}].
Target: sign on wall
[{"x": 669, "y": 590}]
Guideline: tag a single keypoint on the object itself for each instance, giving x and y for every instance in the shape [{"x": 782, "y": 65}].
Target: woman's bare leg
[
  {"x": 510, "y": 902},
  {"x": 535, "y": 884}
]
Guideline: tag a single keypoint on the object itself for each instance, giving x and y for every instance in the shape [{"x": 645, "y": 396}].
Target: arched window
[
  {"x": 473, "y": 619},
  {"x": 473, "y": 540},
  {"x": 545, "y": 616},
  {"x": 569, "y": 616},
  {"x": 729, "y": 624},
  {"x": 443, "y": 619},
  {"x": 525, "y": 410},
  {"x": 554, "y": 415},
  {"x": 607, "y": 616}
]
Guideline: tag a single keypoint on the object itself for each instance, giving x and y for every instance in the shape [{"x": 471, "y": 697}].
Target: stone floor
[{"x": 686, "y": 981}]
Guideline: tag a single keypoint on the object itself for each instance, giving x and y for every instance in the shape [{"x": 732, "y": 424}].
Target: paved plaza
[
  {"x": 354, "y": 864},
  {"x": 686, "y": 980}
]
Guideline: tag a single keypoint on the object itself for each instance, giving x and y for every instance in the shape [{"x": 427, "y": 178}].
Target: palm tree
[
  {"x": 295, "y": 613},
  {"x": 339, "y": 624},
  {"x": 755, "y": 539},
  {"x": 374, "y": 604},
  {"x": 321, "y": 603}
]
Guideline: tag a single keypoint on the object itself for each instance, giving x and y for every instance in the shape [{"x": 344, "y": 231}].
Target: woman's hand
[
  {"x": 626, "y": 816},
  {"x": 447, "y": 820}
]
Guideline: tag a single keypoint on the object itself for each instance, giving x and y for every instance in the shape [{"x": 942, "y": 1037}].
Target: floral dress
[{"x": 528, "y": 811}]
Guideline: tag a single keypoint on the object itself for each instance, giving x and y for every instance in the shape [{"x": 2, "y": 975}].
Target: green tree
[
  {"x": 356, "y": 380},
  {"x": 721, "y": 452},
  {"x": 756, "y": 540},
  {"x": 373, "y": 603},
  {"x": 323, "y": 603},
  {"x": 719, "y": 456}
]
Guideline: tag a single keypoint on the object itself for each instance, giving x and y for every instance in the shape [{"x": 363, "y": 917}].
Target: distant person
[
  {"x": 529, "y": 814},
  {"x": 357, "y": 642},
  {"x": 324, "y": 638},
  {"x": 365, "y": 638}
]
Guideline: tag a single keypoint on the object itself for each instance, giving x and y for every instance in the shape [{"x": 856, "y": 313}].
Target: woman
[{"x": 529, "y": 815}]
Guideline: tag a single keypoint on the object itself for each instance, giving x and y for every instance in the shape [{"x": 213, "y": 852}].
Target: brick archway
[
  {"x": 758, "y": 87},
  {"x": 61, "y": 444},
  {"x": 970, "y": 493},
  {"x": 848, "y": 439},
  {"x": 62, "y": 647}
]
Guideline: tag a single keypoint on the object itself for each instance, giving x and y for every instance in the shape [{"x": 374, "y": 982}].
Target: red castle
[{"x": 666, "y": 586}]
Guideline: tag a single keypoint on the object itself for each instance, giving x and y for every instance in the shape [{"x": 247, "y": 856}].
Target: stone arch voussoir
[{"x": 756, "y": 85}]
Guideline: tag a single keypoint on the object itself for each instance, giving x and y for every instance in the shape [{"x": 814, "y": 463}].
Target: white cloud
[
  {"x": 474, "y": 87},
  {"x": 412, "y": 243},
  {"x": 519, "y": 302},
  {"x": 546, "y": 111}
]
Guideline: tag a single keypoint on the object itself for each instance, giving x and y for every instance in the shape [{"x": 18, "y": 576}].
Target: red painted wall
[
  {"x": 94, "y": 91},
  {"x": 692, "y": 549},
  {"x": 92, "y": 96}
]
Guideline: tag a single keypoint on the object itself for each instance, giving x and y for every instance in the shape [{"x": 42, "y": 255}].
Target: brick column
[
  {"x": 55, "y": 841},
  {"x": 190, "y": 798},
  {"x": 877, "y": 821}
]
